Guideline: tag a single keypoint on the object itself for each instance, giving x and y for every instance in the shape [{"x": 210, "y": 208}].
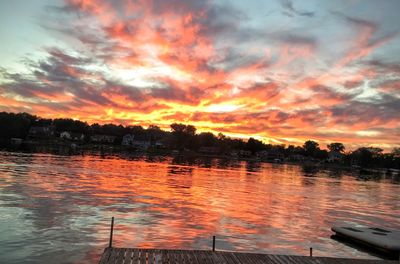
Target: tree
[
  {"x": 311, "y": 147},
  {"x": 185, "y": 129},
  {"x": 221, "y": 136},
  {"x": 183, "y": 136},
  {"x": 396, "y": 152},
  {"x": 206, "y": 139},
  {"x": 375, "y": 151},
  {"x": 337, "y": 147},
  {"x": 67, "y": 124},
  {"x": 365, "y": 156},
  {"x": 254, "y": 145},
  {"x": 155, "y": 133},
  {"x": 136, "y": 130},
  {"x": 15, "y": 125},
  {"x": 321, "y": 154}
]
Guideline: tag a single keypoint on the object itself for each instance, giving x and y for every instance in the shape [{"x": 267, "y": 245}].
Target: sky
[{"x": 281, "y": 71}]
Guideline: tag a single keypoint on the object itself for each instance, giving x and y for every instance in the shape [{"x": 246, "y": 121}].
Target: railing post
[
  {"x": 111, "y": 232},
  {"x": 213, "y": 244},
  {"x": 310, "y": 251}
]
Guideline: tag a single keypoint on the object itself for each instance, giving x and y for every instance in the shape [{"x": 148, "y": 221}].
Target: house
[
  {"x": 335, "y": 156},
  {"x": 65, "y": 135},
  {"x": 141, "y": 144},
  {"x": 37, "y": 132},
  {"x": 127, "y": 140},
  {"x": 72, "y": 136},
  {"x": 102, "y": 139},
  {"x": 16, "y": 142}
]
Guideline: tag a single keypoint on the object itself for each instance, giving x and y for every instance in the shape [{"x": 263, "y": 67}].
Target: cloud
[
  {"x": 380, "y": 112},
  {"x": 289, "y": 10},
  {"x": 367, "y": 40},
  {"x": 214, "y": 65}
]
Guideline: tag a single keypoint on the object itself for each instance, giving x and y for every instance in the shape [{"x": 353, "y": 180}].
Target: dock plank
[
  {"x": 128, "y": 256},
  {"x": 105, "y": 256},
  {"x": 135, "y": 256},
  {"x": 162, "y": 256}
]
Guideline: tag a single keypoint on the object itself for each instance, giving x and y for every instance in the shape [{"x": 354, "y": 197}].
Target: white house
[
  {"x": 72, "y": 136},
  {"x": 65, "y": 135}
]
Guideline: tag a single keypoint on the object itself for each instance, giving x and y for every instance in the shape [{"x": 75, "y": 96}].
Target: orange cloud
[{"x": 158, "y": 62}]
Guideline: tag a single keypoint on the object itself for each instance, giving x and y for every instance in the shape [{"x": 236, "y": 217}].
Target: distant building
[
  {"x": 127, "y": 140},
  {"x": 335, "y": 156},
  {"x": 36, "y": 132},
  {"x": 141, "y": 144},
  {"x": 102, "y": 139},
  {"x": 72, "y": 136},
  {"x": 16, "y": 142}
]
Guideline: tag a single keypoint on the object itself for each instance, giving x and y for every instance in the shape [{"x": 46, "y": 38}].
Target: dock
[
  {"x": 112, "y": 255},
  {"x": 160, "y": 256}
]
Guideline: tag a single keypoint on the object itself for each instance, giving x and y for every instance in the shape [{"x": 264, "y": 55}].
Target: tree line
[{"x": 185, "y": 137}]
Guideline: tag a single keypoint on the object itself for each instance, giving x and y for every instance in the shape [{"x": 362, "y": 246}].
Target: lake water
[{"x": 59, "y": 207}]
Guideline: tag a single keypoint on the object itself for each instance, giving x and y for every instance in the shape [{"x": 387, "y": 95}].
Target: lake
[{"x": 62, "y": 205}]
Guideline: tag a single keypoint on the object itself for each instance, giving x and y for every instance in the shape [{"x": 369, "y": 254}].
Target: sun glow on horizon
[{"x": 213, "y": 65}]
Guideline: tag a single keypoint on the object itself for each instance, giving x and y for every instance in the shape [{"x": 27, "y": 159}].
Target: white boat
[{"x": 383, "y": 239}]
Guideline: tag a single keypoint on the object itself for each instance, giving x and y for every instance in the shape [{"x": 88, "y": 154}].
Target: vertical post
[
  {"x": 310, "y": 251},
  {"x": 111, "y": 232},
  {"x": 213, "y": 245}
]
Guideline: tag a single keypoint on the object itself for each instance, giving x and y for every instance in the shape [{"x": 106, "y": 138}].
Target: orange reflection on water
[{"x": 164, "y": 203}]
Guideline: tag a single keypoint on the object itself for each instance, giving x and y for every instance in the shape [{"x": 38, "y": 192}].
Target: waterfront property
[
  {"x": 37, "y": 132},
  {"x": 67, "y": 135}
]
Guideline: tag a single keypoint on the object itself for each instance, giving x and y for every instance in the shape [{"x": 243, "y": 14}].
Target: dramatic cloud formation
[{"x": 283, "y": 72}]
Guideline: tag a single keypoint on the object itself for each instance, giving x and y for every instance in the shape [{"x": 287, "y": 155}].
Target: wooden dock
[{"x": 160, "y": 256}]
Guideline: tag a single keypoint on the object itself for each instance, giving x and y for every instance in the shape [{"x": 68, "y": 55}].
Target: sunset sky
[{"x": 283, "y": 71}]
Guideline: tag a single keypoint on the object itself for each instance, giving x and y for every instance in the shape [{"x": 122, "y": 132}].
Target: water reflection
[
  {"x": 253, "y": 166},
  {"x": 61, "y": 206}
]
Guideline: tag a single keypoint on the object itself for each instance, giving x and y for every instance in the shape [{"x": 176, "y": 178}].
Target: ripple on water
[{"x": 61, "y": 206}]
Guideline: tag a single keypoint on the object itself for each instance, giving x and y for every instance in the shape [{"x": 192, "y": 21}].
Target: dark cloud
[
  {"x": 375, "y": 38},
  {"x": 322, "y": 92},
  {"x": 170, "y": 93},
  {"x": 296, "y": 39},
  {"x": 290, "y": 10},
  {"x": 355, "y": 21},
  {"x": 389, "y": 86},
  {"x": 54, "y": 76},
  {"x": 383, "y": 67},
  {"x": 381, "y": 111},
  {"x": 132, "y": 93},
  {"x": 353, "y": 84},
  {"x": 313, "y": 117}
]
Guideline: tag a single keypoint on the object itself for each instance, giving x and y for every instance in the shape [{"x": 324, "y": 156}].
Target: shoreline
[{"x": 66, "y": 148}]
